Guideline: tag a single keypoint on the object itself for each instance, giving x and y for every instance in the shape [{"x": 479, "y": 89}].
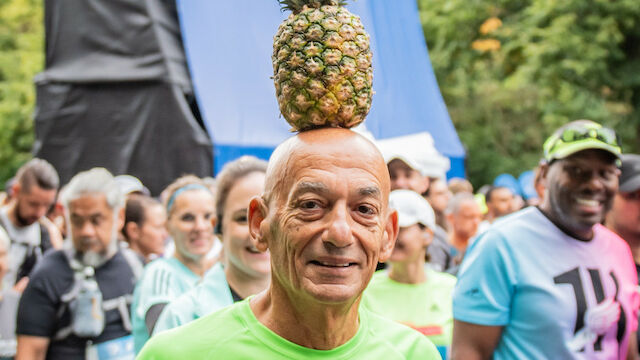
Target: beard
[{"x": 23, "y": 221}]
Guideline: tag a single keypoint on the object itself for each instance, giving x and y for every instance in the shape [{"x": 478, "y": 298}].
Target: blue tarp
[{"x": 229, "y": 46}]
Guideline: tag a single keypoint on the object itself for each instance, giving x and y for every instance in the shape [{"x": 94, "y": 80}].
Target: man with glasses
[{"x": 551, "y": 282}]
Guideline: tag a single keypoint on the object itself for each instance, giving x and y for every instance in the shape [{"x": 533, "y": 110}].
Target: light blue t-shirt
[
  {"x": 163, "y": 280},
  {"x": 555, "y": 296},
  {"x": 211, "y": 294}
]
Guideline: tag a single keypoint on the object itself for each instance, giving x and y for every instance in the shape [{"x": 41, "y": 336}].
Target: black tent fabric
[{"x": 116, "y": 93}]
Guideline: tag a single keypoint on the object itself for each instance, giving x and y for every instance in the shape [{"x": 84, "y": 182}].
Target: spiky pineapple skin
[{"x": 322, "y": 68}]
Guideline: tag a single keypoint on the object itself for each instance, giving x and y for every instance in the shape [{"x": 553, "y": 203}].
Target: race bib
[{"x": 116, "y": 349}]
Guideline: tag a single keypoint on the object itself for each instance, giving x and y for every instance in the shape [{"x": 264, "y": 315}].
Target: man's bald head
[{"x": 322, "y": 147}]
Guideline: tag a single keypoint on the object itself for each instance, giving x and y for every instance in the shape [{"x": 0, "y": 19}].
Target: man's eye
[
  {"x": 307, "y": 205},
  {"x": 366, "y": 209},
  {"x": 609, "y": 173},
  {"x": 575, "y": 171}
]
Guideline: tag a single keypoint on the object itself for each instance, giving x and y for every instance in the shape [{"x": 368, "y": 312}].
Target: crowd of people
[{"x": 332, "y": 249}]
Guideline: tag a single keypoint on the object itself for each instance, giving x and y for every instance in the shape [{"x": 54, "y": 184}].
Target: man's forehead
[
  {"x": 34, "y": 190},
  {"x": 588, "y": 156},
  {"x": 89, "y": 203},
  {"x": 323, "y": 187}
]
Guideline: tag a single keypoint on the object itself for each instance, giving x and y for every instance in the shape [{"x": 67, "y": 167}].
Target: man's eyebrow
[
  {"x": 373, "y": 191},
  {"x": 309, "y": 186}
]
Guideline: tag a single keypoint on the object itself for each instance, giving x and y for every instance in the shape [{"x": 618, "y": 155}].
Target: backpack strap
[{"x": 120, "y": 303}]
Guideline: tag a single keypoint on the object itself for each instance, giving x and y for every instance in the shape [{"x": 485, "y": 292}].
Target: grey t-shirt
[
  {"x": 8, "y": 311},
  {"x": 23, "y": 240},
  {"x": 439, "y": 256}
]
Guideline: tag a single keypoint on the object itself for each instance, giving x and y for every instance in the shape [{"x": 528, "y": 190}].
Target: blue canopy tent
[{"x": 229, "y": 46}]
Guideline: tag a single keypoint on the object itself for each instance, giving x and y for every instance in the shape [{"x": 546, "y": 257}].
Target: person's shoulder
[
  {"x": 159, "y": 264},
  {"x": 510, "y": 228},
  {"x": 160, "y": 268},
  {"x": 604, "y": 232},
  {"x": 379, "y": 276},
  {"x": 51, "y": 277},
  {"x": 197, "y": 339},
  {"x": 612, "y": 242},
  {"x": 52, "y": 264},
  {"x": 516, "y": 220},
  {"x": 403, "y": 340},
  {"x": 442, "y": 279}
]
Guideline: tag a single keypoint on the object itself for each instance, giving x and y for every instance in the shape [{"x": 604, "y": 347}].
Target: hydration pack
[
  {"x": 87, "y": 313},
  {"x": 85, "y": 301}
]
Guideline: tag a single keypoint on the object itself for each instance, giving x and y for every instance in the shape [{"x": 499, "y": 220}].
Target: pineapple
[{"x": 322, "y": 66}]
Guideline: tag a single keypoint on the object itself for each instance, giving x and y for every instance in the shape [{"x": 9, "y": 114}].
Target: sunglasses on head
[
  {"x": 579, "y": 132},
  {"x": 603, "y": 134}
]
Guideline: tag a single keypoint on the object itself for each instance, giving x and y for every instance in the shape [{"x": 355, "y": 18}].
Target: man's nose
[
  {"x": 339, "y": 231},
  {"x": 595, "y": 181},
  {"x": 87, "y": 229}
]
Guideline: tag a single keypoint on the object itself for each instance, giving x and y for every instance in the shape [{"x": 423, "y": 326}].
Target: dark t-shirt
[{"x": 52, "y": 278}]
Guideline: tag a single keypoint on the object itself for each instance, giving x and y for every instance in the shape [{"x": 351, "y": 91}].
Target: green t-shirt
[
  {"x": 235, "y": 333},
  {"x": 426, "y": 307},
  {"x": 162, "y": 281}
]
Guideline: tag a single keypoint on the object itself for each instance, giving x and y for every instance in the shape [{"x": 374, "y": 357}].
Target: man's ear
[
  {"x": 544, "y": 172},
  {"x": 257, "y": 214},
  {"x": 132, "y": 230},
  {"x": 120, "y": 218},
  {"x": 389, "y": 236},
  {"x": 15, "y": 188},
  {"x": 428, "y": 237},
  {"x": 450, "y": 219}
]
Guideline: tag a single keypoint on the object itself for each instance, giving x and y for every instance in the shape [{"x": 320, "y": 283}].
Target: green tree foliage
[
  {"x": 513, "y": 70},
  {"x": 21, "y": 56}
]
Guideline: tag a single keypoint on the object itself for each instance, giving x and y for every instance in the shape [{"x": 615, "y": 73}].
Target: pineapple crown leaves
[{"x": 295, "y": 6}]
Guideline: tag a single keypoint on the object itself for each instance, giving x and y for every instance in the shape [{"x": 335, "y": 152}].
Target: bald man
[{"x": 325, "y": 219}]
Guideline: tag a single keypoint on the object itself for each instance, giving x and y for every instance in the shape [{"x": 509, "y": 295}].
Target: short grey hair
[
  {"x": 456, "y": 202},
  {"x": 94, "y": 181}
]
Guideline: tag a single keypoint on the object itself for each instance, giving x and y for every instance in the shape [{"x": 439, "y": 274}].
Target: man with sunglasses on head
[{"x": 551, "y": 282}]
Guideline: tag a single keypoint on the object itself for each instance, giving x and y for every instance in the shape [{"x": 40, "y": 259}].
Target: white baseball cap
[
  {"x": 129, "y": 184},
  {"x": 412, "y": 209},
  {"x": 417, "y": 151}
]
